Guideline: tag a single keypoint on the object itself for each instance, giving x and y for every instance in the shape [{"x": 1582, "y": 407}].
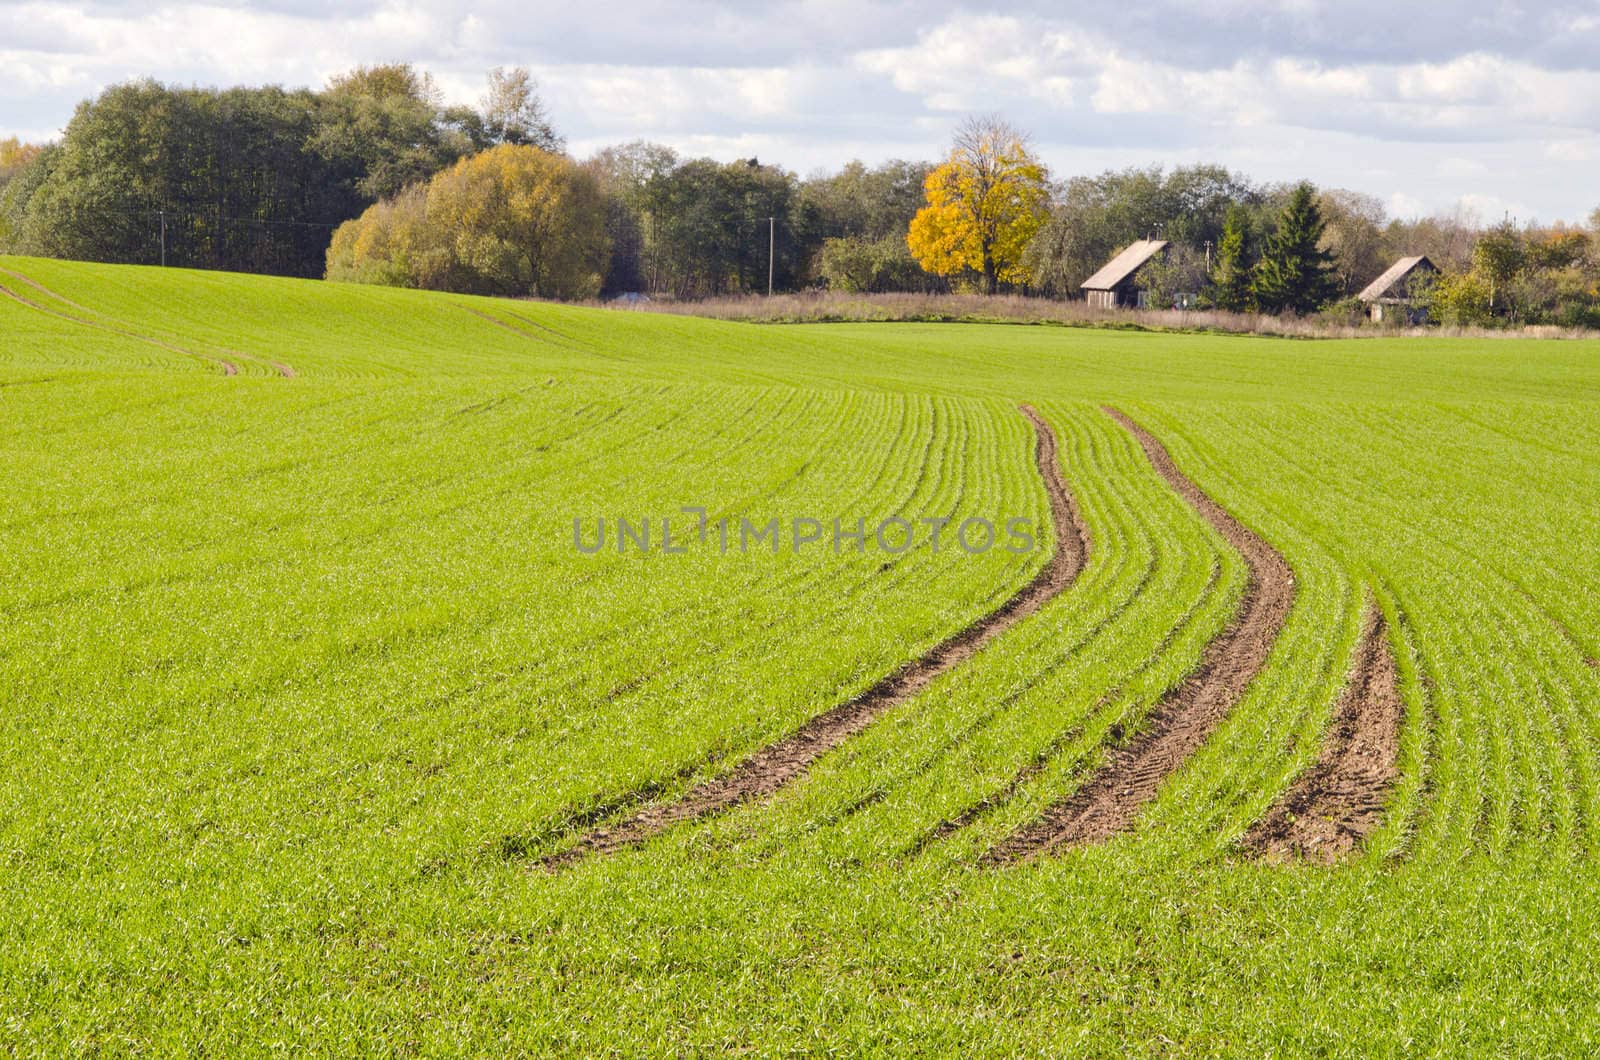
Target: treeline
[
  {"x": 374, "y": 179},
  {"x": 247, "y": 179}
]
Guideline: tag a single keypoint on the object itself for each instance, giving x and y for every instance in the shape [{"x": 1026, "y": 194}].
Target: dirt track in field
[
  {"x": 770, "y": 768},
  {"x": 42, "y": 289},
  {"x": 1109, "y": 801},
  {"x": 1338, "y": 802},
  {"x": 227, "y": 366}
]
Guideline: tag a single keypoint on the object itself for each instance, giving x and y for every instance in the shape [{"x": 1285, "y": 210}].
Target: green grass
[{"x": 301, "y": 675}]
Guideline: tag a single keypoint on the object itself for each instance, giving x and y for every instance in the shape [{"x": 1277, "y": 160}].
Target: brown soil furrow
[
  {"x": 283, "y": 370},
  {"x": 1338, "y": 802},
  {"x": 228, "y": 367},
  {"x": 768, "y": 769},
  {"x": 1110, "y": 799}
]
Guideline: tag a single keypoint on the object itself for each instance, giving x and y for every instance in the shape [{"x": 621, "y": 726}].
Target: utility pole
[
  {"x": 1208, "y": 255},
  {"x": 772, "y": 246},
  {"x": 163, "y": 215}
]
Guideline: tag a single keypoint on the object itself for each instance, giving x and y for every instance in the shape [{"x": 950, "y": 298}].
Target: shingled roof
[
  {"x": 1124, "y": 264},
  {"x": 1383, "y": 285}
]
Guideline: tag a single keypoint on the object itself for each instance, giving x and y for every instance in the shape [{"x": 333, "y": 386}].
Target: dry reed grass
[{"x": 826, "y": 307}]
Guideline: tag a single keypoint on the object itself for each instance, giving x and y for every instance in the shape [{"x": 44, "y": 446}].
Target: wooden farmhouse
[
  {"x": 1114, "y": 285},
  {"x": 1392, "y": 296}
]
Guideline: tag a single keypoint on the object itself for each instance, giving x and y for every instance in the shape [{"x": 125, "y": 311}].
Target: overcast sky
[{"x": 1425, "y": 106}]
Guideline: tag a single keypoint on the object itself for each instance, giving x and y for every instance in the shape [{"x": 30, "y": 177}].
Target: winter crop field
[{"x": 1267, "y": 721}]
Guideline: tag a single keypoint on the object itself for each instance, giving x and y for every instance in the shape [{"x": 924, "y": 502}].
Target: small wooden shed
[
  {"x": 1113, "y": 285},
  {"x": 1393, "y": 295}
]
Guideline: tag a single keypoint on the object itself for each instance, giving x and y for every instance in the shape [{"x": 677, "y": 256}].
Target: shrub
[
  {"x": 856, "y": 265},
  {"x": 514, "y": 220}
]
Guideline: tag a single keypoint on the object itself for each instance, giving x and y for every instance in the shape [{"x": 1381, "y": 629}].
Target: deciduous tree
[
  {"x": 984, "y": 205},
  {"x": 1096, "y": 216},
  {"x": 513, "y": 112},
  {"x": 1353, "y": 234},
  {"x": 14, "y": 157},
  {"x": 514, "y": 220},
  {"x": 1498, "y": 257},
  {"x": 383, "y": 127},
  {"x": 855, "y": 263}
]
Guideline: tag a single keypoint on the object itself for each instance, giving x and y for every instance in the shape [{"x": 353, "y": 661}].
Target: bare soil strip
[
  {"x": 283, "y": 370},
  {"x": 227, "y": 366},
  {"x": 1109, "y": 801},
  {"x": 1042, "y": 759},
  {"x": 1338, "y": 802},
  {"x": 768, "y": 769}
]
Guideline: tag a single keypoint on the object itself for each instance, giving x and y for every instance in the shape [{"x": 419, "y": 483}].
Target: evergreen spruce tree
[
  {"x": 1230, "y": 273},
  {"x": 1294, "y": 273}
]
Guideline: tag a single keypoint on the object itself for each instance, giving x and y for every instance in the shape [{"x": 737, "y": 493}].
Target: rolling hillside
[{"x": 322, "y": 732}]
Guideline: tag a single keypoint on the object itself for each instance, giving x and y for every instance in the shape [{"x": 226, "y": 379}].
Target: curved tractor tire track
[
  {"x": 227, "y": 366},
  {"x": 42, "y": 289},
  {"x": 1109, "y": 801},
  {"x": 1340, "y": 800},
  {"x": 775, "y": 765},
  {"x": 282, "y": 369}
]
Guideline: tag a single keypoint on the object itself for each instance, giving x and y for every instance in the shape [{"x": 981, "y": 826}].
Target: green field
[{"x": 303, "y": 677}]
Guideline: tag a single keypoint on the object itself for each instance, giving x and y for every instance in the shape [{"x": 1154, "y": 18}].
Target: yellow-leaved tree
[
  {"x": 513, "y": 220},
  {"x": 984, "y": 205}
]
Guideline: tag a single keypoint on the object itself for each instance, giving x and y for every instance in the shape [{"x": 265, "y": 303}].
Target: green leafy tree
[
  {"x": 1295, "y": 274},
  {"x": 856, "y": 264},
  {"x": 1231, "y": 269},
  {"x": 625, "y": 172},
  {"x": 709, "y": 228},
  {"x": 229, "y": 173},
  {"x": 1499, "y": 256},
  {"x": 1462, "y": 299},
  {"x": 1095, "y": 216},
  {"x": 17, "y": 234},
  {"x": 870, "y": 204},
  {"x": 383, "y": 127}
]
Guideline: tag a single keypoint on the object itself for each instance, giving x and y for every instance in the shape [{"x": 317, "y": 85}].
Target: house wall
[{"x": 1102, "y": 299}]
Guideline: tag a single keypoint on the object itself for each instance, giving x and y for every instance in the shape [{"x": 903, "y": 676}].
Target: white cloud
[
  {"x": 1501, "y": 103},
  {"x": 1401, "y": 205},
  {"x": 1491, "y": 208}
]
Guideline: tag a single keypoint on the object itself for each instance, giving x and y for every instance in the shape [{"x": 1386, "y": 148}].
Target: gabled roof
[
  {"x": 1124, "y": 264},
  {"x": 1381, "y": 287}
]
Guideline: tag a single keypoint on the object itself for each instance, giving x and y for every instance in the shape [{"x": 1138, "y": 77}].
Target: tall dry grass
[{"x": 827, "y": 307}]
